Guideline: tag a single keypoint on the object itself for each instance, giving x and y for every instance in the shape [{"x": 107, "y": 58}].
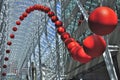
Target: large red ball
[
  {"x": 46, "y": 9},
  {"x": 94, "y": 45},
  {"x": 3, "y": 74},
  {"x": 12, "y": 35},
  {"x": 4, "y": 66},
  {"x": 65, "y": 36},
  {"x": 102, "y": 20},
  {"x": 73, "y": 52},
  {"x": 58, "y": 23},
  {"x": 18, "y": 22},
  {"x": 82, "y": 56},
  {"x": 61, "y": 29},
  {"x": 54, "y": 18},
  {"x": 14, "y": 28},
  {"x": 31, "y": 8},
  {"x": 37, "y": 7},
  {"x": 7, "y": 51},
  {"x": 71, "y": 45},
  {"x": 67, "y": 41},
  {"x": 24, "y": 14},
  {"x": 6, "y": 58},
  {"x": 21, "y": 18},
  {"x": 28, "y": 10},
  {"x": 51, "y": 13},
  {"x": 9, "y": 43},
  {"x": 43, "y": 8}
]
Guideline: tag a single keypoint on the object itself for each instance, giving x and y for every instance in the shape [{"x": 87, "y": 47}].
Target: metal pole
[
  {"x": 83, "y": 11},
  {"x": 109, "y": 62},
  {"x": 57, "y": 50},
  {"x": 58, "y": 57},
  {"x": 39, "y": 51}
]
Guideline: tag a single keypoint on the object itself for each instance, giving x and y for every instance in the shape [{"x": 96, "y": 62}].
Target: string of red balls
[{"x": 93, "y": 46}]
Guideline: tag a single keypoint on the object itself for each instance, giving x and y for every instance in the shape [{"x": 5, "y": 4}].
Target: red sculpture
[{"x": 102, "y": 20}]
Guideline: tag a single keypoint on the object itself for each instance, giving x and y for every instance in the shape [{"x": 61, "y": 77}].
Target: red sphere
[
  {"x": 24, "y": 14},
  {"x": 54, "y": 18},
  {"x": 21, "y": 18},
  {"x": 31, "y": 8},
  {"x": 37, "y": 7},
  {"x": 12, "y": 35},
  {"x": 9, "y": 43},
  {"x": 58, "y": 23},
  {"x": 102, "y": 20},
  {"x": 6, "y": 58},
  {"x": 73, "y": 52},
  {"x": 82, "y": 57},
  {"x": 94, "y": 45},
  {"x": 71, "y": 45},
  {"x": 28, "y": 10},
  {"x": 7, "y": 51},
  {"x": 65, "y": 36},
  {"x": 42, "y": 8},
  {"x": 3, "y": 74},
  {"x": 51, "y": 13},
  {"x": 61, "y": 30},
  {"x": 14, "y": 28},
  {"x": 18, "y": 22},
  {"x": 46, "y": 9},
  {"x": 4, "y": 66},
  {"x": 67, "y": 41}
]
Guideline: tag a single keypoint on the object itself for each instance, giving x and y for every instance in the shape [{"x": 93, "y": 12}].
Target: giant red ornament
[
  {"x": 61, "y": 30},
  {"x": 94, "y": 45},
  {"x": 71, "y": 45},
  {"x": 65, "y": 36},
  {"x": 43, "y": 8},
  {"x": 14, "y": 28},
  {"x": 102, "y": 20},
  {"x": 58, "y": 23},
  {"x": 9, "y": 43},
  {"x": 46, "y": 9},
  {"x": 31, "y": 8},
  {"x": 7, "y": 51},
  {"x": 82, "y": 56},
  {"x": 24, "y": 14},
  {"x": 18, "y": 22},
  {"x": 51, "y": 13},
  {"x": 21, "y": 18},
  {"x": 28, "y": 10},
  {"x": 4, "y": 66},
  {"x": 6, "y": 58},
  {"x": 3, "y": 74},
  {"x": 67, "y": 41},
  {"x": 40, "y": 7},
  {"x": 73, "y": 52},
  {"x": 37, "y": 7},
  {"x": 12, "y": 35},
  {"x": 54, "y": 18}
]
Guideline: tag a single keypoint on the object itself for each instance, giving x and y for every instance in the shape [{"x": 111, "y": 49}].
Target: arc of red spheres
[{"x": 93, "y": 46}]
